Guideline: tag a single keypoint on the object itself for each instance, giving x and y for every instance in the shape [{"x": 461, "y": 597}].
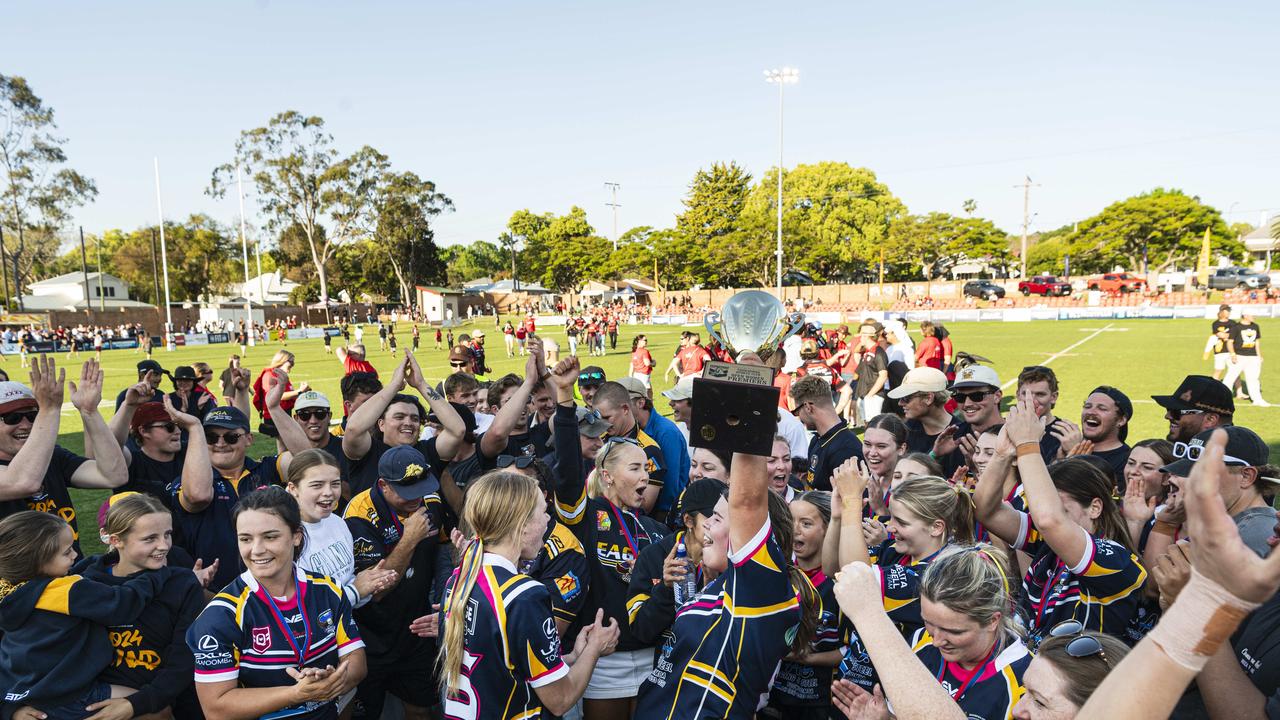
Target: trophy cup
[{"x": 734, "y": 406}]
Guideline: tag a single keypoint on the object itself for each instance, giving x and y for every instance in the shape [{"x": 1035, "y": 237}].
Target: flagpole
[
  {"x": 164, "y": 262},
  {"x": 244, "y": 252}
]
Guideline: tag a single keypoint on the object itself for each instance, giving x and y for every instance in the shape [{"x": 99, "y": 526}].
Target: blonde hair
[
  {"x": 497, "y": 508},
  {"x": 604, "y": 460},
  {"x": 281, "y": 358},
  {"x": 126, "y": 511},
  {"x": 975, "y": 583},
  {"x": 932, "y": 498}
]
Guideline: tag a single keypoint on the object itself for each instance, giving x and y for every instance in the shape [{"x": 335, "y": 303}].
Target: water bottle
[{"x": 685, "y": 589}]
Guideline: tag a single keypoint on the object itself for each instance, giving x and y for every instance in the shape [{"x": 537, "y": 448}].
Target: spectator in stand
[
  {"x": 353, "y": 360},
  {"x": 150, "y": 372}
]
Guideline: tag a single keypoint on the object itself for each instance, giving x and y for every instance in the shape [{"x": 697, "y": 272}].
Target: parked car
[
  {"x": 984, "y": 289},
  {"x": 1117, "y": 282},
  {"x": 1045, "y": 285},
  {"x": 1234, "y": 277}
]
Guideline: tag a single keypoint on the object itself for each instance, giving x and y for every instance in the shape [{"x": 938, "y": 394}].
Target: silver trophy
[{"x": 753, "y": 320}]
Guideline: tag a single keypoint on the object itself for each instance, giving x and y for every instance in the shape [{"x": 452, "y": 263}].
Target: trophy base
[{"x": 733, "y": 416}]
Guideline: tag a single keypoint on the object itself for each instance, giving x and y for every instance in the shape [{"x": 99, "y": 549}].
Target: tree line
[{"x": 353, "y": 222}]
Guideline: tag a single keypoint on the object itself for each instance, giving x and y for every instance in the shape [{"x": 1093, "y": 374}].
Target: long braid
[
  {"x": 452, "y": 647},
  {"x": 806, "y": 593}
]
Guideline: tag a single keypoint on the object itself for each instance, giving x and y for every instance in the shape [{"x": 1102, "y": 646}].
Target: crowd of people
[{"x": 549, "y": 544}]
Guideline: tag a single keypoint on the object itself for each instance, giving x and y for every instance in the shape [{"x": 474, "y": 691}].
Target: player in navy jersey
[
  {"x": 277, "y": 641},
  {"x": 501, "y": 655},
  {"x": 1083, "y": 564},
  {"x": 969, "y": 644},
  {"x": 614, "y": 532},
  {"x": 802, "y": 688},
  {"x": 728, "y": 642}
]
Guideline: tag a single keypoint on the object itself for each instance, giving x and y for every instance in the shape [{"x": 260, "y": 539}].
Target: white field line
[{"x": 1063, "y": 351}]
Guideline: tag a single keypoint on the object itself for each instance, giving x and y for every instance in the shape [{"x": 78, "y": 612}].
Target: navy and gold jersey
[
  {"x": 561, "y": 566},
  {"x": 210, "y": 534},
  {"x": 727, "y": 642},
  {"x": 989, "y": 691},
  {"x": 510, "y": 645},
  {"x": 827, "y": 452},
  {"x": 241, "y": 637},
  {"x": 612, "y": 537},
  {"x": 810, "y": 685},
  {"x": 1103, "y": 591},
  {"x": 376, "y": 530}
]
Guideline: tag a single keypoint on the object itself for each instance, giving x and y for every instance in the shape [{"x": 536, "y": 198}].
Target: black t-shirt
[
  {"x": 362, "y": 474},
  {"x": 1050, "y": 444},
  {"x": 1257, "y": 648},
  {"x": 1116, "y": 459},
  {"x": 151, "y": 476},
  {"x": 1222, "y": 331},
  {"x": 828, "y": 451},
  {"x": 1244, "y": 339},
  {"x": 869, "y": 366},
  {"x": 52, "y": 497}
]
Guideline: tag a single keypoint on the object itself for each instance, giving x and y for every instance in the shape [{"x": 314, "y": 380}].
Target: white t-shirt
[
  {"x": 790, "y": 427},
  {"x": 328, "y": 550}
]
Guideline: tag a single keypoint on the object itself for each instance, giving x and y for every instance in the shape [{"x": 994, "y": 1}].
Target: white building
[
  {"x": 266, "y": 289},
  {"x": 67, "y": 292}
]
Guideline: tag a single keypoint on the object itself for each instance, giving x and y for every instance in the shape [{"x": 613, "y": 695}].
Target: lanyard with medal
[
  {"x": 299, "y": 652},
  {"x": 625, "y": 565}
]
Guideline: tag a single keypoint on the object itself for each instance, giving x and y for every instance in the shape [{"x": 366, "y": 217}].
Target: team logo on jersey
[
  {"x": 261, "y": 639},
  {"x": 569, "y": 586},
  {"x": 326, "y": 620},
  {"x": 603, "y": 523},
  {"x": 208, "y": 643}
]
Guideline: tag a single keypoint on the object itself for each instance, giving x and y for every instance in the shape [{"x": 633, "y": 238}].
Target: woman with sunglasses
[
  {"x": 1083, "y": 564},
  {"x": 970, "y": 643},
  {"x": 603, "y": 512}
]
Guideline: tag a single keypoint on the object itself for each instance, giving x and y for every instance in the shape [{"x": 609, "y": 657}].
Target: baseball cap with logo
[
  {"x": 1244, "y": 449},
  {"x": 405, "y": 470},
  {"x": 226, "y": 417},
  {"x": 15, "y": 396},
  {"x": 975, "y": 376},
  {"x": 918, "y": 380},
  {"x": 1199, "y": 392},
  {"x": 312, "y": 399},
  {"x": 682, "y": 391}
]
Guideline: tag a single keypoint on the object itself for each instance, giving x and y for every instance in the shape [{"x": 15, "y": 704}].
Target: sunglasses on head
[
  {"x": 14, "y": 418},
  {"x": 615, "y": 441},
  {"x": 1193, "y": 453},
  {"x": 521, "y": 461},
  {"x": 168, "y": 426},
  {"x": 591, "y": 417},
  {"x": 309, "y": 414},
  {"x": 976, "y": 396},
  {"x": 590, "y": 376},
  {"x": 230, "y": 438},
  {"x": 1082, "y": 645}
]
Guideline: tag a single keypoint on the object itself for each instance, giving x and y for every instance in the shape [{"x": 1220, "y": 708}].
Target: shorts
[
  {"x": 411, "y": 678},
  {"x": 642, "y": 377},
  {"x": 75, "y": 710},
  {"x": 1221, "y": 361},
  {"x": 619, "y": 674}
]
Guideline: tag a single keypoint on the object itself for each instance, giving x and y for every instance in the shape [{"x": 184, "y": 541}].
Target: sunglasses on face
[
  {"x": 1082, "y": 646},
  {"x": 167, "y": 426},
  {"x": 14, "y": 418},
  {"x": 1183, "y": 413},
  {"x": 230, "y": 438},
  {"x": 457, "y": 363},
  {"x": 521, "y": 462},
  {"x": 305, "y": 415},
  {"x": 976, "y": 396}
]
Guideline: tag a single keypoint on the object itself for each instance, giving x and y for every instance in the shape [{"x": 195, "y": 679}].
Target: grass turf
[{"x": 1141, "y": 357}]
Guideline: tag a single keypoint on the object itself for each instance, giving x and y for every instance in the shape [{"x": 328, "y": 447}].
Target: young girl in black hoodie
[{"x": 55, "y": 642}]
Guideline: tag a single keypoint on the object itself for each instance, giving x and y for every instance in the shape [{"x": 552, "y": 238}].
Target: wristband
[
  {"x": 1200, "y": 620},
  {"x": 1028, "y": 448},
  {"x": 1165, "y": 527}
]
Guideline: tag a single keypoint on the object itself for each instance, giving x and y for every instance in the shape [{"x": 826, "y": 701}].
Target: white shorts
[
  {"x": 1221, "y": 361},
  {"x": 642, "y": 378},
  {"x": 619, "y": 675}
]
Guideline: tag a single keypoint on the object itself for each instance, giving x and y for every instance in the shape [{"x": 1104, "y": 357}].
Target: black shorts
[{"x": 411, "y": 678}]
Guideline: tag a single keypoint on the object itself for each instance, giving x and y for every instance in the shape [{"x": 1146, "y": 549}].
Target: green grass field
[{"x": 1141, "y": 357}]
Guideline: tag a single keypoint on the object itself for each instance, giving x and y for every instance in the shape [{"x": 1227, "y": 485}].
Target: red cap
[{"x": 147, "y": 414}]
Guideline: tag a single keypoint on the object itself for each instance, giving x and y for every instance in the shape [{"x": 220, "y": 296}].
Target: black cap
[
  {"x": 1244, "y": 449},
  {"x": 184, "y": 372},
  {"x": 1199, "y": 392},
  {"x": 150, "y": 366},
  {"x": 701, "y": 496}
]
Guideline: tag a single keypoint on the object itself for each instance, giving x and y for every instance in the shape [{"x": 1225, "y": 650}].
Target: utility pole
[
  {"x": 102, "y": 298},
  {"x": 155, "y": 268},
  {"x": 614, "y": 186},
  {"x": 1026, "y": 219}
]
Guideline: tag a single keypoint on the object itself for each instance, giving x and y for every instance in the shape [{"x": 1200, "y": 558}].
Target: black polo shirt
[{"x": 828, "y": 451}]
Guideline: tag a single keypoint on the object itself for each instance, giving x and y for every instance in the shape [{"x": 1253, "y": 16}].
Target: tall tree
[
  {"x": 40, "y": 192},
  {"x": 1167, "y": 226},
  {"x": 474, "y": 261},
  {"x": 714, "y": 203},
  {"x": 929, "y": 245},
  {"x": 301, "y": 180},
  {"x": 404, "y": 206}
]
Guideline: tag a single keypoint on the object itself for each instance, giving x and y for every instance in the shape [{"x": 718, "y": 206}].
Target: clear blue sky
[{"x": 538, "y": 104}]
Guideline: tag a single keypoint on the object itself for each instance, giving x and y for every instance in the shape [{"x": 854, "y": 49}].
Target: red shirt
[
  {"x": 930, "y": 352},
  {"x": 692, "y": 358},
  {"x": 354, "y": 365},
  {"x": 642, "y": 361},
  {"x": 783, "y": 383}
]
